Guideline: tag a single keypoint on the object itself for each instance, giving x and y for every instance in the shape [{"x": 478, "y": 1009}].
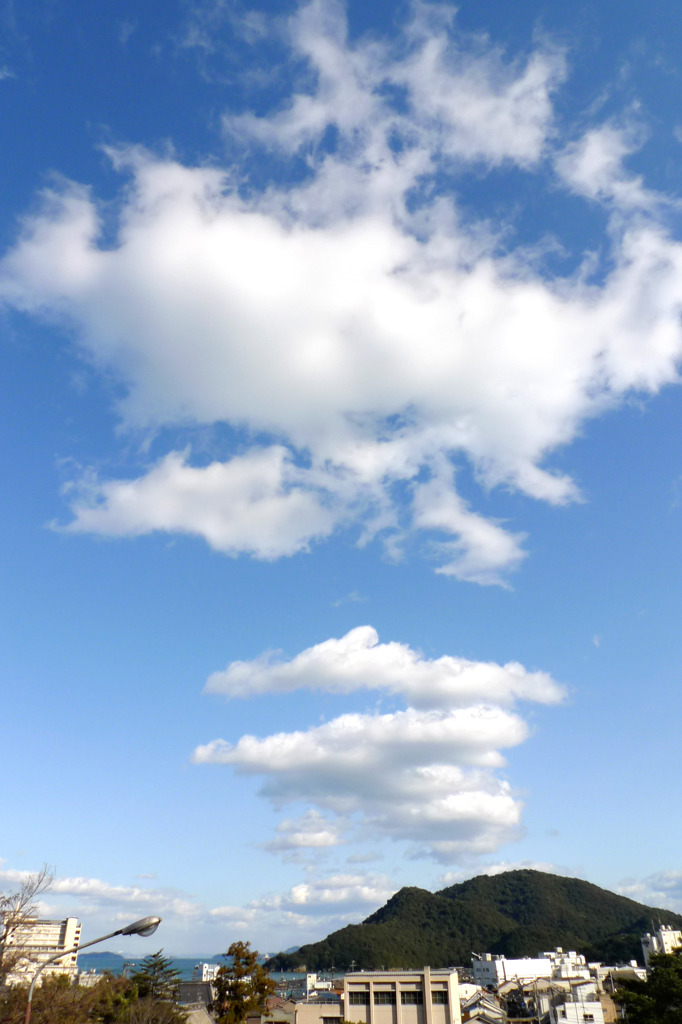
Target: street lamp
[{"x": 145, "y": 926}]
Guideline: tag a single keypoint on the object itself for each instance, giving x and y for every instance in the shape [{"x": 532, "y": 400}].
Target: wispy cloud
[
  {"x": 86, "y": 896},
  {"x": 660, "y": 889}
]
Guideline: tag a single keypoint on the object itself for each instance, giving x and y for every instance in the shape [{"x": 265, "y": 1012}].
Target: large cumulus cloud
[{"x": 361, "y": 334}]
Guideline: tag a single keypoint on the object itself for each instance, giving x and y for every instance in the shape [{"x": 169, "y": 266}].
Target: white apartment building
[
  {"x": 664, "y": 940},
  {"x": 35, "y": 940},
  {"x": 491, "y": 970},
  {"x": 567, "y": 965},
  {"x": 577, "y": 1013},
  {"x": 402, "y": 997},
  {"x": 205, "y": 972},
  {"x": 315, "y": 984}
]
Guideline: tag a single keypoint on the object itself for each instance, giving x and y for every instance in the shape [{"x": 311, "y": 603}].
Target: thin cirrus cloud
[
  {"x": 363, "y": 334},
  {"x": 426, "y": 775}
]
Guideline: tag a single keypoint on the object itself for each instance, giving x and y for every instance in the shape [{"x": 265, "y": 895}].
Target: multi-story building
[
  {"x": 567, "y": 964},
  {"x": 664, "y": 940},
  {"x": 491, "y": 971},
  {"x": 205, "y": 972},
  {"x": 34, "y": 940},
  {"x": 402, "y": 997}
]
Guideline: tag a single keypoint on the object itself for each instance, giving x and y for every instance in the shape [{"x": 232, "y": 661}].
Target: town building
[
  {"x": 664, "y": 940},
  {"x": 481, "y": 1007},
  {"x": 577, "y": 1013},
  {"x": 34, "y": 940},
  {"x": 401, "y": 997},
  {"x": 315, "y": 984},
  {"x": 567, "y": 965},
  {"x": 491, "y": 970},
  {"x": 205, "y": 972}
]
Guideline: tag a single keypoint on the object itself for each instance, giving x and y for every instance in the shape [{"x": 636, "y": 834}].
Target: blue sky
[{"x": 340, "y": 420}]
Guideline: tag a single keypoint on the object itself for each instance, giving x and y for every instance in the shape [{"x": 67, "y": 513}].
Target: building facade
[
  {"x": 577, "y": 1013},
  {"x": 491, "y": 971},
  {"x": 402, "y": 997},
  {"x": 664, "y": 940},
  {"x": 35, "y": 940},
  {"x": 205, "y": 972}
]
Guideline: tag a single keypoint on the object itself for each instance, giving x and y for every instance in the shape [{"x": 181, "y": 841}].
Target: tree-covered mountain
[{"x": 518, "y": 913}]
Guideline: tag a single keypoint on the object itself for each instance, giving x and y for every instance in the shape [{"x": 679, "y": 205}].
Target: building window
[
  {"x": 412, "y": 998},
  {"x": 330, "y": 1020},
  {"x": 358, "y": 998},
  {"x": 440, "y": 997},
  {"x": 384, "y": 998}
]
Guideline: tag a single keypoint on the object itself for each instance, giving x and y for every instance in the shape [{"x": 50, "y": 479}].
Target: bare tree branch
[{"x": 16, "y": 908}]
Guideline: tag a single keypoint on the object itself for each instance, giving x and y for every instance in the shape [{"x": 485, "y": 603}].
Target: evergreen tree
[
  {"x": 242, "y": 986},
  {"x": 658, "y": 1000},
  {"x": 155, "y": 977}
]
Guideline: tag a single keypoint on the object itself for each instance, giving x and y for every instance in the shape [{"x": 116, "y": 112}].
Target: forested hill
[{"x": 518, "y": 913}]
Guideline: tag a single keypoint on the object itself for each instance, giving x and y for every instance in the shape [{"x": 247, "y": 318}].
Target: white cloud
[
  {"x": 593, "y": 166},
  {"x": 426, "y": 775},
  {"x": 661, "y": 889},
  {"x": 312, "y": 832},
  {"x": 359, "y": 333},
  {"x": 464, "y": 101},
  {"x": 86, "y": 896},
  {"x": 249, "y": 504},
  {"x": 321, "y": 902},
  {"x": 421, "y": 776},
  {"x": 95, "y": 893},
  {"x": 357, "y": 661},
  {"x": 454, "y": 877}
]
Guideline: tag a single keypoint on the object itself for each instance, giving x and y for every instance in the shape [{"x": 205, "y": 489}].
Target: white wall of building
[
  {"x": 402, "y": 997},
  {"x": 36, "y": 940},
  {"x": 493, "y": 971},
  {"x": 205, "y": 972},
  {"x": 577, "y": 1013},
  {"x": 664, "y": 940}
]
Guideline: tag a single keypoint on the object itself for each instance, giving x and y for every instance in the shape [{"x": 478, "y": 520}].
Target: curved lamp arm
[{"x": 145, "y": 926}]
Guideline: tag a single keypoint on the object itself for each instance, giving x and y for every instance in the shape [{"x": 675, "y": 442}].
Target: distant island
[{"x": 517, "y": 913}]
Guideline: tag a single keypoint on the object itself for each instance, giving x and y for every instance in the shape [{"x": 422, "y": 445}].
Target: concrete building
[
  {"x": 664, "y": 940},
  {"x": 577, "y": 1013},
  {"x": 318, "y": 1011},
  {"x": 491, "y": 970},
  {"x": 35, "y": 940},
  {"x": 205, "y": 972},
  {"x": 402, "y": 997},
  {"x": 567, "y": 965},
  {"x": 316, "y": 984}
]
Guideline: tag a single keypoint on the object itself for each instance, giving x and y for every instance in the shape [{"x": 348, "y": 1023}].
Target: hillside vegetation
[{"x": 518, "y": 913}]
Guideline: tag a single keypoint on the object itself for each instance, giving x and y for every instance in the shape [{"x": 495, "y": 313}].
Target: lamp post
[{"x": 145, "y": 926}]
